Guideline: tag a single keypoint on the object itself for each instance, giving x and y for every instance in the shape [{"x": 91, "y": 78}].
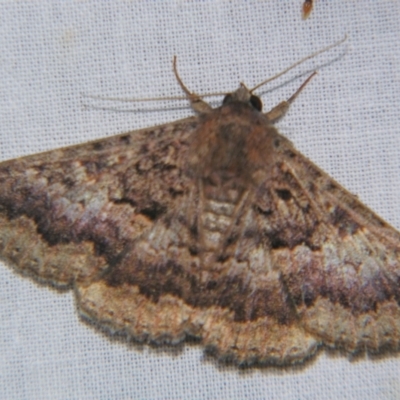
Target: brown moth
[{"x": 213, "y": 227}]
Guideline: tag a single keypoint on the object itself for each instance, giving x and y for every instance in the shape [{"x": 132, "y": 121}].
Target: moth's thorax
[{"x": 233, "y": 142}]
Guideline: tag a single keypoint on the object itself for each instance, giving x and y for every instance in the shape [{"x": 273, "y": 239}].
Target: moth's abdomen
[
  {"x": 216, "y": 219},
  {"x": 221, "y": 219}
]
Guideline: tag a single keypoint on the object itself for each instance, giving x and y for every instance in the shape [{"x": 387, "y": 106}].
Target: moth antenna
[
  {"x": 325, "y": 49},
  {"x": 181, "y": 84},
  {"x": 281, "y": 109},
  {"x": 294, "y": 95},
  {"x": 129, "y": 100},
  {"x": 196, "y": 102},
  {"x": 126, "y": 100},
  {"x": 188, "y": 93}
]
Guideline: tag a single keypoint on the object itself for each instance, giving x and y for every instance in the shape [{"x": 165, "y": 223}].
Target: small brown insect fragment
[{"x": 307, "y": 8}]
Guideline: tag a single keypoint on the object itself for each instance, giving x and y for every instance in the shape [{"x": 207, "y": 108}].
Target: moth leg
[
  {"x": 200, "y": 226},
  {"x": 316, "y": 207},
  {"x": 281, "y": 109},
  {"x": 246, "y": 223},
  {"x": 198, "y": 105}
]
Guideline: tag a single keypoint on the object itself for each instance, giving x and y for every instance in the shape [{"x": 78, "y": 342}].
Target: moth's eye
[
  {"x": 227, "y": 98},
  {"x": 256, "y": 102}
]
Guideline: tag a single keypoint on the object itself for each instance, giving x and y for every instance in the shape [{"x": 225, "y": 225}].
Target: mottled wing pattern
[
  {"x": 344, "y": 277},
  {"x": 259, "y": 273},
  {"x": 65, "y": 215},
  {"x": 306, "y": 263}
]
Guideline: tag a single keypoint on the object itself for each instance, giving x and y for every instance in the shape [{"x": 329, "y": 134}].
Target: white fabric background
[{"x": 347, "y": 121}]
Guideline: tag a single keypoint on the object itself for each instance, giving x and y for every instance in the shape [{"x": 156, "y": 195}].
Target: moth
[{"x": 213, "y": 227}]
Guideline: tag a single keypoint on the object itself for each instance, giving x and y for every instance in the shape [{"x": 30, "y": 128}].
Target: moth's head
[{"x": 243, "y": 95}]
